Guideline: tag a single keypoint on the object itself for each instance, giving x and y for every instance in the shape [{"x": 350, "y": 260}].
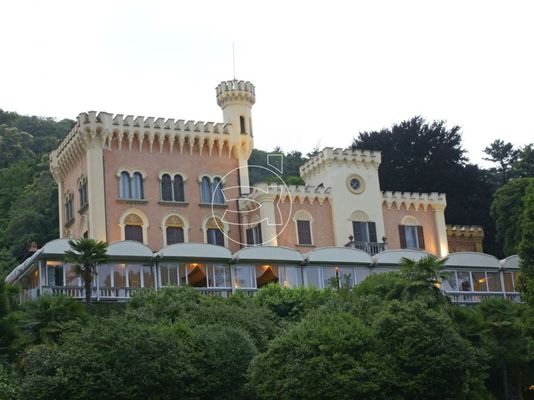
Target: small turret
[{"x": 236, "y": 99}]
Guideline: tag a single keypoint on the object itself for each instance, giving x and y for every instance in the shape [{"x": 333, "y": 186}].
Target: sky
[{"x": 323, "y": 70}]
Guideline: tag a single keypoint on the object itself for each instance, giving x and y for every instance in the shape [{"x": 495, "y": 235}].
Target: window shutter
[
  {"x": 420, "y": 237},
  {"x": 250, "y": 236},
  {"x": 372, "y": 232},
  {"x": 402, "y": 236},
  {"x": 357, "y": 231}
]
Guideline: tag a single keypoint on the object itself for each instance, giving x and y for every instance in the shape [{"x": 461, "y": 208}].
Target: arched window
[
  {"x": 217, "y": 190},
  {"x": 303, "y": 220},
  {"x": 82, "y": 190},
  {"x": 69, "y": 211},
  {"x": 133, "y": 228},
  {"x": 125, "y": 192},
  {"x": 174, "y": 230},
  {"x": 215, "y": 232},
  {"x": 137, "y": 186},
  {"x": 166, "y": 188},
  {"x": 205, "y": 190},
  {"x": 364, "y": 231},
  {"x": 411, "y": 233},
  {"x": 178, "y": 188}
]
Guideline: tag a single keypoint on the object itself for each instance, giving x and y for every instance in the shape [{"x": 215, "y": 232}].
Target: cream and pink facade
[{"x": 163, "y": 181}]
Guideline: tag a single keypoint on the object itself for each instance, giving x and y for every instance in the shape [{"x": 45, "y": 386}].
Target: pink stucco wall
[
  {"x": 190, "y": 165},
  {"x": 393, "y": 218},
  {"x": 321, "y": 227}
]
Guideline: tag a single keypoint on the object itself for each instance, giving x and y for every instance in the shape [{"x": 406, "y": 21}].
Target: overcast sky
[{"x": 323, "y": 71}]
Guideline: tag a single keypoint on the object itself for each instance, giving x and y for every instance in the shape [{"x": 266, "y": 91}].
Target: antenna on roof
[{"x": 233, "y": 57}]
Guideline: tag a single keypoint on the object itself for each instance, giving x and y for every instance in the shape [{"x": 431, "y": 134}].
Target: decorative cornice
[
  {"x": 269, "y": 192},
  {"x": 330, "y": 156},
  {"x": 235, "y": 92},
  {"x": 438, "y": 201}
]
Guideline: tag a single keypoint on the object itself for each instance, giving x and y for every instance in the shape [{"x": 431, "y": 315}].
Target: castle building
[
  {"x": 174, "y": 200},
  {"x": 164, "y": 181}
]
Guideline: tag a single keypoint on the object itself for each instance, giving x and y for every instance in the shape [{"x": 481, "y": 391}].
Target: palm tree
[
  {"x": 85, "y": 254},
  {"x": 424, "y": 278}
]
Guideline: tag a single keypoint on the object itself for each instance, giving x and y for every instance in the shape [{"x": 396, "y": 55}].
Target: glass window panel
[
  {"x": 508, "y": 282},
  {"x": 464, "y": 281},
  {"x": 119, "y": 275},
  {"x": 312, "y": 277},
  {"x": 133, "y": 232},
  {"x": 196, "y": 275},
  {"x": 411, "y": 237},
  {"x": 205, "y": 190},
  {"x": 174, "y": 235},
  {"x": 329, "y": 277},
  {"x": 219, "y": 275},
  {"x": 71, "y": 275},
  {"x": 266, "y": 274},
  {"x": 182, "y": 274},
  {"x": 452, "y": 282},
  {"x": 243, "y": 277},
  {"x": 104, "y": 275},
  {"x": 125, "y": 186},
  {"x": 217, "y": 190},
  {"x": 479, "y": 282},
  {"x": 137, "y": 186},
  {"x": 148, "y": 277},
  {"x": 516, "y": 280},
  {"x": 164, "y": 275},
  {"x": 166, "y": 188},
  {"x": 290, "y": 277},
  {"x": 134, "y": 275},
  {"x": 360, "y": 274},
  {"x": 494, "y": 281},
  {"x": 346, "y": 276},
  {"x": 304, "y": 232},
  {"x": 178, "y": 188}
]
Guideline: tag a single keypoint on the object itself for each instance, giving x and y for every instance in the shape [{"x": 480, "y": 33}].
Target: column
[
  {"x": 95, "y": 189},
  {"x": 441, "y": 230}
]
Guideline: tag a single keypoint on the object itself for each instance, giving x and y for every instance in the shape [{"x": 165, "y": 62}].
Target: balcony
[
  {"x": 467, "y": 298},
  {"x": 371, "y": 248}
]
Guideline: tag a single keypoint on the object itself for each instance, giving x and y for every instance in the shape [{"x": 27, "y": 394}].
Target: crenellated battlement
[
  {"x": 130, "y": 132},
  {"x": 329, "y": 156},
  {"x": 408, "y": 199},
  {"x": 465, "y": 230},
  {"x": 298, "y": 193},
  {"x": 235, "y": 91}
]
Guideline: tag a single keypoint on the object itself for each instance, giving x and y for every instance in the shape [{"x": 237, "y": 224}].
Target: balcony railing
[
  {"x": 369, "y": 247},
  {"x": 478, "y": 297}
]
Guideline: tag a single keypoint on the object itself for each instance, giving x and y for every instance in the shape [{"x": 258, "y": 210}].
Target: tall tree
[
  {"x": 418, "y": 156},
  {"x": 507, "y": 211},
  {"x": 526, "y": 246},
  {"x": 85, "y": 254},
  {"x": 523, "y": 167},
  {"x": 504, "y": 155}
]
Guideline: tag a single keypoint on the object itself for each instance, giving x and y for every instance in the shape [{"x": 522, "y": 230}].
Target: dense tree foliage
[
  {"x": 28, "y": 194},
  {"x": 418, "y": 156},
  {"x": 526, "y": 245},
  {"x": 507, "y": 211},
  {"x": 504, "y": 154},
  {"x": 287, "y": 169}
]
